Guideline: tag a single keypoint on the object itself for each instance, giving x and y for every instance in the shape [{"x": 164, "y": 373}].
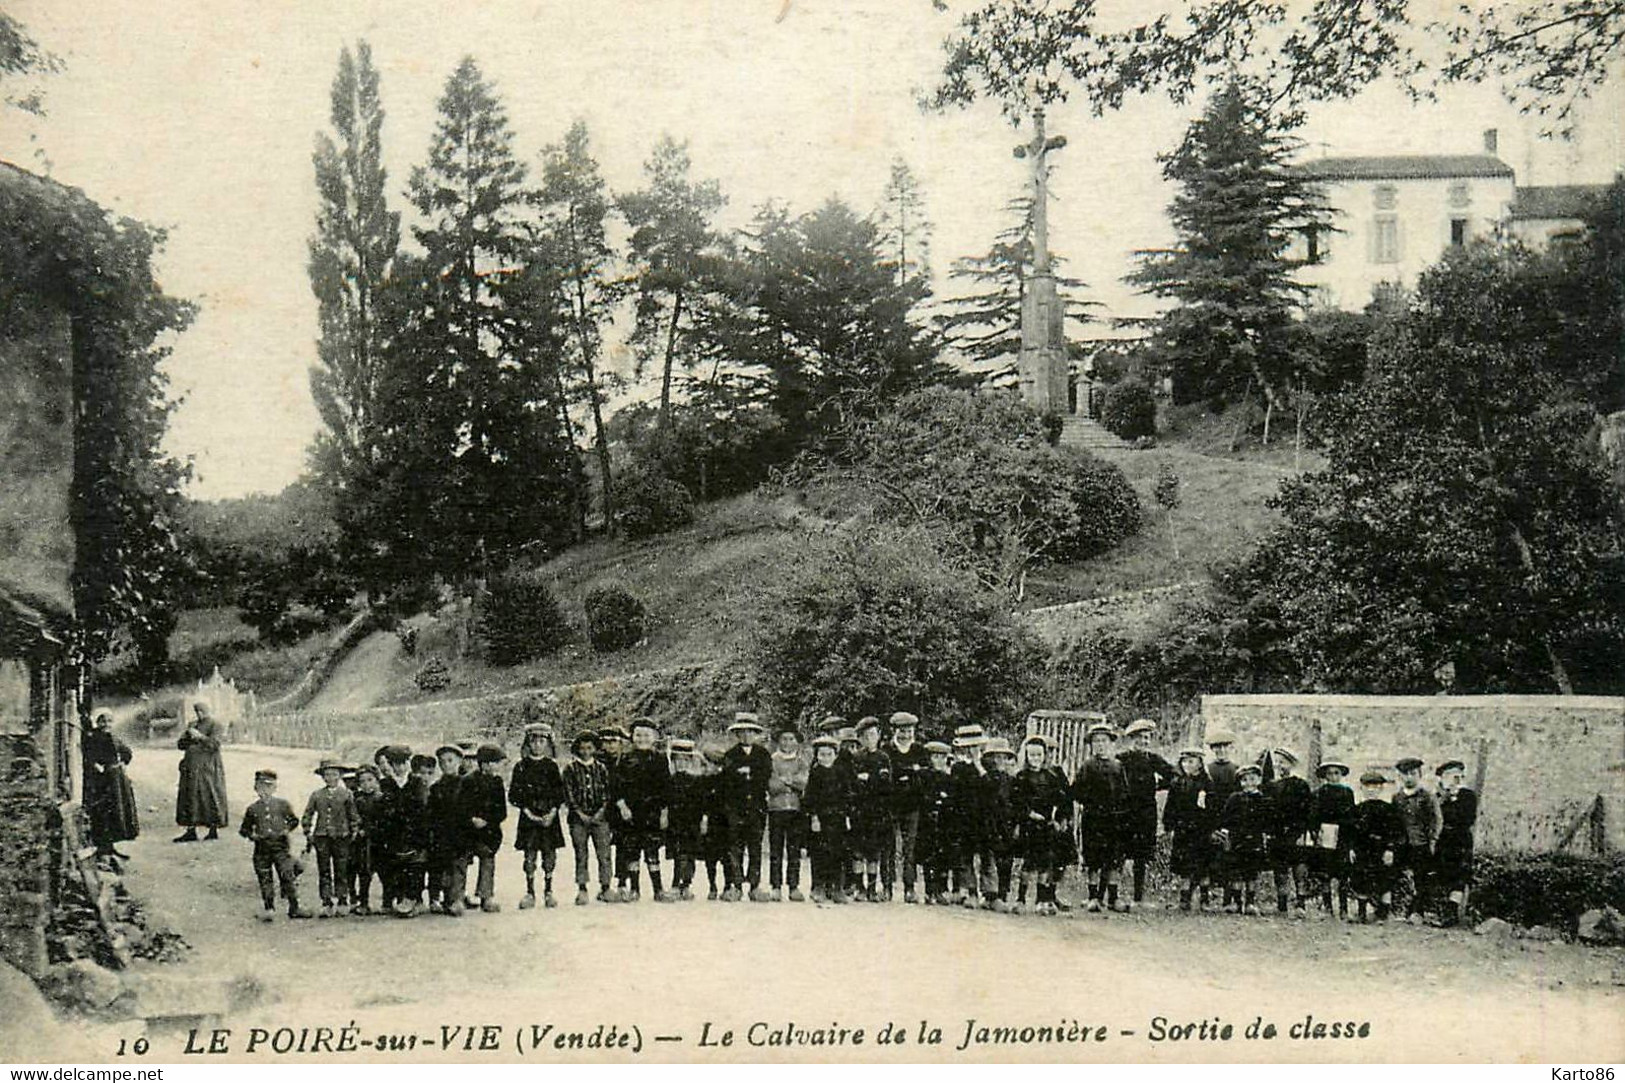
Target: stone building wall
[
  {"x": 1547, "y": 758},
  {"x": 28, "y": 861}
]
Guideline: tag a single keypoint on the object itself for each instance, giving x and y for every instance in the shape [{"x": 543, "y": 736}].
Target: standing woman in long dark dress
[
  {"x": 200, "y": 799},
  {"x": 109, "y": 800}
]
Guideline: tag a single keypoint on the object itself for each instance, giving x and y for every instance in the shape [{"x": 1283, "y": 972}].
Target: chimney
[{"x": 1492, "y": 140}]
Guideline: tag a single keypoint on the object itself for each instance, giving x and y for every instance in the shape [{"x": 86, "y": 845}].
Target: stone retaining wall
[
  {"x": 27, "y": 812},
  {"x": 1547, "y": 758}
]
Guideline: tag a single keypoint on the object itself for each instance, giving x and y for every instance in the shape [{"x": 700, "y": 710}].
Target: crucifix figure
[{"x": 1042, "y": 366}]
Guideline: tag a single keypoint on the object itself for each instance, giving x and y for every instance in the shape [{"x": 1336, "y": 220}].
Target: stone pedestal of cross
[{"x": 1042, "y": 366}]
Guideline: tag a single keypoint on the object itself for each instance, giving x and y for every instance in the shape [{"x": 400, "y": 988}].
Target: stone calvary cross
[{"x": 1042, "y": 367}]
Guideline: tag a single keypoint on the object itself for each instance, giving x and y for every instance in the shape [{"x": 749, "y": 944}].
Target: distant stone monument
[{"x": 1042, "y": 366}]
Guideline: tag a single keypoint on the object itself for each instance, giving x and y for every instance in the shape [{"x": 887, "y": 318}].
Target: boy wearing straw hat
[
  {"x": 329, "y": 824},
  {"x": 536, "y": 791},
  {"x": 742, "y": 793},
  {"x": 827, "y": 803},
  {"x": 612, "y": 746},
  {"x": 267, "y": 823},
  {"x": 969, "y": 818},
  {"x": 692, "y": 793},
  {"x": 1245, "y": 825},
  {"x": 1329, "y": 817},
  {"x": 1101, "y": 792},
  {"x": 998, "y": 778},
  {"x": 1145, "y": 772},
  {"x": 1191, "y": 817}
]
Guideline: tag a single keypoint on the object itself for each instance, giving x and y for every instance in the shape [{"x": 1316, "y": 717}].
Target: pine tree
[
  {"x": 350, "y": 259},
  {"x": 676, "y": 251},
  {"x": 1240, "y": 204},
  {"x": 575, "y": 206},
  {"x": 985, "y": 325},
  {"x": 501, "y": 475},
  {"x": 905, "y": 229}
]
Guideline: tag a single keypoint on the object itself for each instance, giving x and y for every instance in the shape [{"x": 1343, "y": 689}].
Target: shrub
[
  {"x": 518, "y": 619},
  {"x": 1053, "y": 424},
  {"x": 647, "y": 503},
  {"x": 1545, "y": 889},
  {"x": 1107, "y": 508},
  {"x": 435, "y": 676},
  {"x": 876, "y": 622},
  {"x": 1129, "y": 411},
  {"x": 615, "y": 619}
]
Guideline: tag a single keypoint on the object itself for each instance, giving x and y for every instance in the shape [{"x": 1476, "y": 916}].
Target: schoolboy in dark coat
[
  {"x": 408, "y": 832},
  {"x": 872, "y": 828},
  {"x": 938, "y": 850},
  {"x": 969, "y": 816},
  {"x": 1042, "y": 807},
  {"x": 1223, "y": 781},
  {"x": 1376, "y": 834},
  {"x": 1145, "y": 772},
  {"x": 267, "y": 823},
  {"x": 998, "y": 782},
  {"x": 1329, "y": 819},
  {"x": 1453, "y": 856},
  {"x": 643, "y": 792},
  {"x": 1292, "y": 802},
  {"x": 742, "y": 792},
  {"x": 536, "y": 791},
  {"x": 692, "y": 796},
  {"x": 1101, "y": 792},
  {"x": 612, "y": 744},
  {"x": 909, "y": 763},
  {"x": 827, "y": 803},
  {"x": 363, "y": 862},
  {"x": 486, "y": 800},
  {"x": 1191, "y": 817},
  {"x": 1246, "y": 822},
  {"x": 450, "y": 842}
]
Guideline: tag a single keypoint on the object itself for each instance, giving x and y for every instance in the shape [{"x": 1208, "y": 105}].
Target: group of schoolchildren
[{"x": 982, "y": 822}]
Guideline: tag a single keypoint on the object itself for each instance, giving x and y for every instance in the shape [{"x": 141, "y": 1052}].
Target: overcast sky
[{"x": 200, "y": 117}]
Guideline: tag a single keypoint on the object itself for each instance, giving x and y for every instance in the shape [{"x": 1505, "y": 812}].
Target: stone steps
[{"x": 1087, "y": 433}]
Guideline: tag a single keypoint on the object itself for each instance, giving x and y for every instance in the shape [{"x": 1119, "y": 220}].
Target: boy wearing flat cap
[
  {"x": 1419, "y": 811},
  {"x": 1453, "y": 855},
  {"x": 1376, "y": 834},
  {"x": 450, "y": 844},
  {"x": 329, "y": 824},
  {"x": 536, "y": 791},
  {"x": 487, "y": 804},
  {"x": 827, "y": 803},
  {"x": 1101, "y": 792},
  {"x": 938, "y": 851},
  {"x": 612, "y": 748},
  {"x": 266, "y": 823},
  {"x": 1223, "y": 783},
  {"x": 998, "y": 781},
  {"x": 642, "y": 798},
  {"x": 909, "y": 763},
  {"x": 1145, "y": 772},
  {"x": 742, "y": 792},
  {"x": 1292, "y": 803}
]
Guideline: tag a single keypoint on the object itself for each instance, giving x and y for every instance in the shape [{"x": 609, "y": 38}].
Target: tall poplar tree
[
  {"x": 351, "y": 256},
  {"x": 905, "y": 228}
]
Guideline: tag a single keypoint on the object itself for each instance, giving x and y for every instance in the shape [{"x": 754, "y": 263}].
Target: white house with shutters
[{"x": 1395, "y": 215}]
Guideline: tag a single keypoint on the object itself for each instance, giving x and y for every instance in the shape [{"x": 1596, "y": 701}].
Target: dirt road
[{"x": 671, "y": 970}]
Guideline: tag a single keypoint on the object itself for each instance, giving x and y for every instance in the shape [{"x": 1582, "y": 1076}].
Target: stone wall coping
[{"x": 1578, "y": 703}]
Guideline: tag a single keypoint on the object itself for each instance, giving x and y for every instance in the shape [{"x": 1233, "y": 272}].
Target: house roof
[
  {"x": 1408, "y": 167},
  {"x": 29, "y": 621},
  {"x": 1554, "y": 200}
]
